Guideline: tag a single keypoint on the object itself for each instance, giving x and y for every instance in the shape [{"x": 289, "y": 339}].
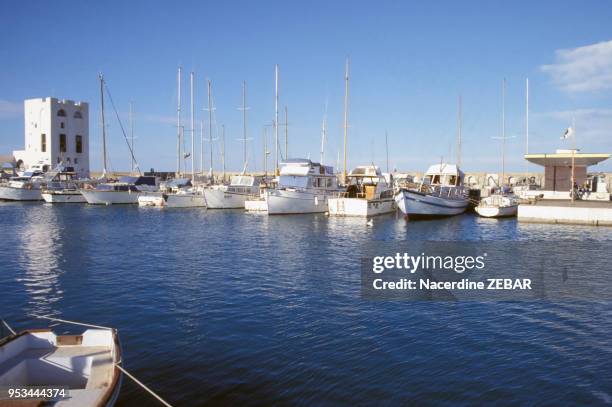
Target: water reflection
[{"x": 40, "y": 258}]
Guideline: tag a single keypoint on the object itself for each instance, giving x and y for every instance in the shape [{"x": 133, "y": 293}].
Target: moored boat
[
  {"x": 440, "y": 193},
  {"x": 26, "y": 187},
  {"x": 63, "y": 188},
  {"x": 367, "y": 194},
  {"x": 125, "y": 191},
  {"x": 177, "y": 193},
  {"x": 82, "y": 367},
  {"x": 232, "y": 196},
  {"x": 497, "y": 206},
  {"x": 303, "y": 187}
]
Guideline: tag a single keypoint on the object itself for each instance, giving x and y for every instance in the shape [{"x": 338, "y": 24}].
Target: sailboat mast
[
  {"x": 192, "y": 128},
  {"x": 346, "y": 95},
  {"x": 265, "y": 151},
  {"x": 210, "y": 128},
  {"x": 201, "y": 146},
  {"x": 178, "y": 125},
  {"x": 223, "y": 149},
  {"x": 527, "y": 127},
  {"x": 276, "y": 119},
  {"x": 503, "y": 132},
  {"x": 103, "y": 124},
  {"x": 132, "y": 136},
  {"x": 459, "y": 134},
  {"x": 323, "y": 136},
  {"x": 244, "y": 125}
]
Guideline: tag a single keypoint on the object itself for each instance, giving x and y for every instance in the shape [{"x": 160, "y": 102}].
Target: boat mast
[
  {"x": 178, "y": 125},
  {"x": 527, "y": 128},
  {"x": 276, "y": 172},
  {"x": 201, "y": 146},
  {"x": 503, "y": 132},
  {"x": 459, "y": 134},
  {"x": 210, "y": 128},
  {"x": 265, "y": 143},
  {"x": 223, "y": 150},
  {"x": 103, "y": 125},
  {"x": 286, "y": 134},
  {"x": 132, "y": 136},
  {"x": 346, "y": 95},
  {"x": 244, "y": 125},
  {"x": 192, "y": 129}
]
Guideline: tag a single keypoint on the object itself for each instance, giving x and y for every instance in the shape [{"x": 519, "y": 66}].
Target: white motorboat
[
  {"x": 232, "y": 196},
  {"x": 367, "y": 194},
  {"x": 26, "y": 187},
  {"x": 63, "y": 188},
  {"x": 303, "y": 187},
  {"x": 125, "y": 191},
  {"x": 440, "y": 193},
  {"x": 177, "y": 193},
  {"x": 83, "y": 365},
  {"x": 497, "y": 206}
]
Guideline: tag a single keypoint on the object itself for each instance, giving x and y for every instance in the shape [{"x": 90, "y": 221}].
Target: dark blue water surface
[{"x": 228, "y": 308}]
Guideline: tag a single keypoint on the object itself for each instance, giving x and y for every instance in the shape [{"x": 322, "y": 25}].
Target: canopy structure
[{"x": 558, "y": 167}]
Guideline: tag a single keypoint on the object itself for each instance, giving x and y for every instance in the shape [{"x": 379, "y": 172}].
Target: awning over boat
[{"x": 563, "y": 158}]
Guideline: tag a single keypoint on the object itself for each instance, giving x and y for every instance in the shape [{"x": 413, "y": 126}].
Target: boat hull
[
  {"x": 256, "y": 205},
  {"x": 185, "y": 201},
  {"x": 94, "y": 197},
  {"x": 496, "y": 211},
  {"x": 415, "y": 204},
  {"x": 283, "y": 202},
  {"x": 19, "y": 194},
  {"x": 219, "y": 198},
  {"x": 151, "y": 200},
  {"x": 63, "y": 197},
  {"x": 360, "y": 207}
]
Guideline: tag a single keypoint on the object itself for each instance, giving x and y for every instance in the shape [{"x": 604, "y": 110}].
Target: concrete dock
[{"x": 596, "y": 213}]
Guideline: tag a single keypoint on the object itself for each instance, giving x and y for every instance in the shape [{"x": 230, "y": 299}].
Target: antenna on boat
[
  {"x": 387, "y": 148},
  {"x": 276, "y": 172},
  {"x": 459, "y": 134},
  {"x": 323, "y": 133},
  {"x": 178, "y": 124},
  {"x": 346, "y": 95},
  {"x": 104, "y": 166},
  {"x": 191, "y": 75}
]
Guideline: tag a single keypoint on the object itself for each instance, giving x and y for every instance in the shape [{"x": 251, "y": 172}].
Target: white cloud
[
  {"x": 583, "y": 69},
  {"x": 10, "y": 110}
]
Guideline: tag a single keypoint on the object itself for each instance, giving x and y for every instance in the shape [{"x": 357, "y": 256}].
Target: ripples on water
[{"x": 223, "y": 307}]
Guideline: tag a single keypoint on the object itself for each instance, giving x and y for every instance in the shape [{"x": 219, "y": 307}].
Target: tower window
[
  {"x": 61, "y": 113},
  {"x": 62, "y": 125},
  {"x": 77, "y": 115},
  {"x": 62, "y": 143},
  {"x": 43, "y": 143},
  {"x": 79, "y": 144}
]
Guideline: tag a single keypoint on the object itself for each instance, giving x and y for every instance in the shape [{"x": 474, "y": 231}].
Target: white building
[{"x": 56, "y": 131}]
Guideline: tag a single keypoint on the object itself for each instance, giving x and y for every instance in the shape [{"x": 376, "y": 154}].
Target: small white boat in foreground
[
  {"x": 176, "y": 193},
  {"x": 497, "y": 206},
  {"x": 367, "y": 194},
  {"x": 85, "y": 364},
  {"x": 440, "y": 193}
]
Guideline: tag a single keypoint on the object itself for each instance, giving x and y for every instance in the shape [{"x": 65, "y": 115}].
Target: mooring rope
[
  {"x": 164, "y": 402},
  {"x": 8, "y": 327}
]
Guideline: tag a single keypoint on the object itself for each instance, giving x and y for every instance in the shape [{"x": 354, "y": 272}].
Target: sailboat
[
  {"x": 241, "y": 187},
  {"x": 500, "y": 204},
  {"x": 128, "y": 188},
  {"x": 179, "y": 192}
]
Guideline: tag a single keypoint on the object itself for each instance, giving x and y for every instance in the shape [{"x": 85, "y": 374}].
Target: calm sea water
[{"x": 223, "y": 307}]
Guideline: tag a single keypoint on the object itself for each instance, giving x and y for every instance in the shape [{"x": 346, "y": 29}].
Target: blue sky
[{"x": 409, "y": 63}]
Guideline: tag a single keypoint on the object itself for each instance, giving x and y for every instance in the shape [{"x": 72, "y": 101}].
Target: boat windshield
[{"x": 292, "y": 181}]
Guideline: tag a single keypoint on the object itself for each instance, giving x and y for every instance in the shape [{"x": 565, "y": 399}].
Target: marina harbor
[{"x": 305, "y": 204}]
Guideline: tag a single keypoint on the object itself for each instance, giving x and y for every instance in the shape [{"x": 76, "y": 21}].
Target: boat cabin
[
  {"x": 443, "y": 175},
  {"x": 303, "y": 173},
  {"x": 367, "y": 181}
]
